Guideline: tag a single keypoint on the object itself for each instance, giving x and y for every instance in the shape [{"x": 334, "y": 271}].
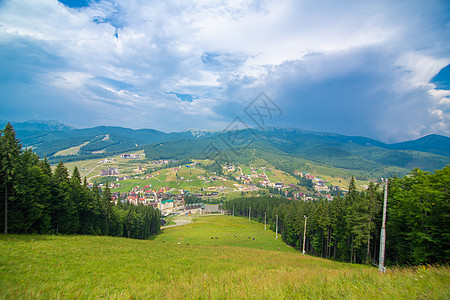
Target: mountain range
[{"x": 62, "y": 142}]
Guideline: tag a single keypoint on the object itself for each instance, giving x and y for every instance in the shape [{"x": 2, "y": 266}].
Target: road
[
  {"x": 180, "y": 220},
  {"x": 98, "y": 165}
]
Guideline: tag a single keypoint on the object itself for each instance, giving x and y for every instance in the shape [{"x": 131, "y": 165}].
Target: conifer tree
[
  {"x": 66, "y": 213},
  {"x": 10, "y": 150},
  {"x": 76, "y": 178},
  {"x": 106, "y": 206}
]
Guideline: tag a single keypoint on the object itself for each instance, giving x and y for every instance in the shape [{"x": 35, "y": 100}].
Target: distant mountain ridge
[
  {"x": 61, "y": 142},
  {"x": 432, "y": 143},
  {"x": 36, "y": 125}
]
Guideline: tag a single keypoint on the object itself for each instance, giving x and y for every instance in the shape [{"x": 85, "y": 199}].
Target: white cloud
[
  {"x": 129, "y": 53},
  {"x": 420, "y": 69}
]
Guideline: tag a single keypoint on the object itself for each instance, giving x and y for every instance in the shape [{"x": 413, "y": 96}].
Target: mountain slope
[
  {"x": 358, "y": 154},
  {"x": 432, "y": 143}
]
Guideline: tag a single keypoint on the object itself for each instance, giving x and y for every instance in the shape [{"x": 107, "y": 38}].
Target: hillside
[
  {"x": 432, "y": 143},
  {"x": 185, "y": 263},
  {"x": 358, "y": 155}
]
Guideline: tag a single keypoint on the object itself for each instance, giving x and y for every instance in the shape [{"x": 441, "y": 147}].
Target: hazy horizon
[{"x": 361, "y": 68}]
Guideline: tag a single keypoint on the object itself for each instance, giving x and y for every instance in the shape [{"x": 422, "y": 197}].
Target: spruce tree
[
  {"x": 76, "y": 178},
  {"x": 106, "y": 206},
  {"x": 66, "y": 212},
  {"x": 10, "y": 150},
  {"x": 45, "y": 166}
]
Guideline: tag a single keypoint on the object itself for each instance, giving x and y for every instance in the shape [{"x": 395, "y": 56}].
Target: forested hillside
[
  {"x": 348, "y": 228},
  {"x": 37, "y": 200},
  {"x": 362, "y": 156}
]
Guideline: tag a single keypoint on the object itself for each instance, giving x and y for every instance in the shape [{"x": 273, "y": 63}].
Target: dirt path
[
  {"x": 98, "y": 165},
  {"x": 180, "y": 220}
]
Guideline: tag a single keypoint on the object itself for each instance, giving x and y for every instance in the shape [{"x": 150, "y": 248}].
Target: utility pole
[
  {"x": 6, "y": 208},
  {"x": 249, "y": 210},
  {"x": 233, "y": 210},
  {"x": 276, "y": 230},
  {"x": 383, "y": 228},
  {"x": 265, "y": 223},
  {"x": 304, "y": 235}
]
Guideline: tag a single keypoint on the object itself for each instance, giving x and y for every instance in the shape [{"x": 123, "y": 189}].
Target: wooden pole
[{"x": 6, "y": 208}]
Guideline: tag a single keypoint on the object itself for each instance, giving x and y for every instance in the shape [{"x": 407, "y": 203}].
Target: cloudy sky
[{"x": 371, "y": 68}]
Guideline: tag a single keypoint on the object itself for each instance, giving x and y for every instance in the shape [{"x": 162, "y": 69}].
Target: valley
[
  {"x": 212, "y": 257},
  {"x": 287, "y": 149},
  {"x": 140, "y": 180}
]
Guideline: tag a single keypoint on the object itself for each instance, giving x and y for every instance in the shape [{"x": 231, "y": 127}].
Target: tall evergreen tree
[
  {"x": 76, "y": 178},
  {"x": 66, "y": 213},
  {"x": 106, "y": 206},
  {"x": 45, "y": 166},
  {"x": 10, "y": 150},
  {"x": 350, "y": 217},
  {"x": 38, "y": 200}
]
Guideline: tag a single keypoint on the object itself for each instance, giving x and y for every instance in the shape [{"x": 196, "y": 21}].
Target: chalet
[
  {"x": 278, "y": 185},
  {"x": 123, "y": 178},
  {"x": 321, "y": 188},
  {"x": 300, "y": 195},
  {"x": 132, "y": 200},
  {"x": 229, "y": 168},
  {"x": 109, "y": 172},
  {"x": 166, "y": 205},
  {"x": 194, "y": 208},
  {"x": 265, "y": 183},
  {"x": 130, "y": 156},
  {"x": 212, "y": 208}
]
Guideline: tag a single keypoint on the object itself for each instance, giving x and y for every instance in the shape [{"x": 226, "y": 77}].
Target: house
[
  {"x": 166, "y": 205},
  {"x": 278, "y": 185},
  {"x": 194, "y": 208},
  {"x": 109, "y": 172},
  {"x": 212, "y": 208},
  {"x": 130, "y": 156}
]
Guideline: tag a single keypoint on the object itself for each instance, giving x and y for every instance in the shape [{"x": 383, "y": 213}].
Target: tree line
[
  {"x": 36, "y": 199},
  {"x": 348, "y": 227}
]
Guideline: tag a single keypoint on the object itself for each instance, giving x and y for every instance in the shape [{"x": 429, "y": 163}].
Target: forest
[
  {"x": 36, "y": 199},
  {"x": 348, "y": 227}
]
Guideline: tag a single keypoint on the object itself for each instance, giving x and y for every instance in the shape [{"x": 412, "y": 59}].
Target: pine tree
[
  {"x": 76, "y": 178},
  {"x": 45, "y": 166},
  {"x": 10, "y": 150},
  {"x": 106, "y": 206},
  {"x": 351, "y": 206},
  {"x": 65, "y": 210}
]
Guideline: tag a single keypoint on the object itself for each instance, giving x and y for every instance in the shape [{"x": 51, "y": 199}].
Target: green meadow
[{"x": 214, "y": 257}]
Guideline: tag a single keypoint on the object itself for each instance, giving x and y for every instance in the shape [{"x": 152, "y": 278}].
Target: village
[{"x": 169, "y": 188}]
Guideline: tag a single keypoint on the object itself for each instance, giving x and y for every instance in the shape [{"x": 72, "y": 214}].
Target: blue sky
[{"x": 370, "y": 68}]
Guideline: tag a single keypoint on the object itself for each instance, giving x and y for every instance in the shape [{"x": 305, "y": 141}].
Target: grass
[
  {"x": 34, "y": 266},
  {"x": 71, "y": 151},
  {"x": 167, "y": 177}
]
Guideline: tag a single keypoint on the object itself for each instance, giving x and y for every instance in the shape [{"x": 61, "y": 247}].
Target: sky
[{"x": 370, "y": 68}]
